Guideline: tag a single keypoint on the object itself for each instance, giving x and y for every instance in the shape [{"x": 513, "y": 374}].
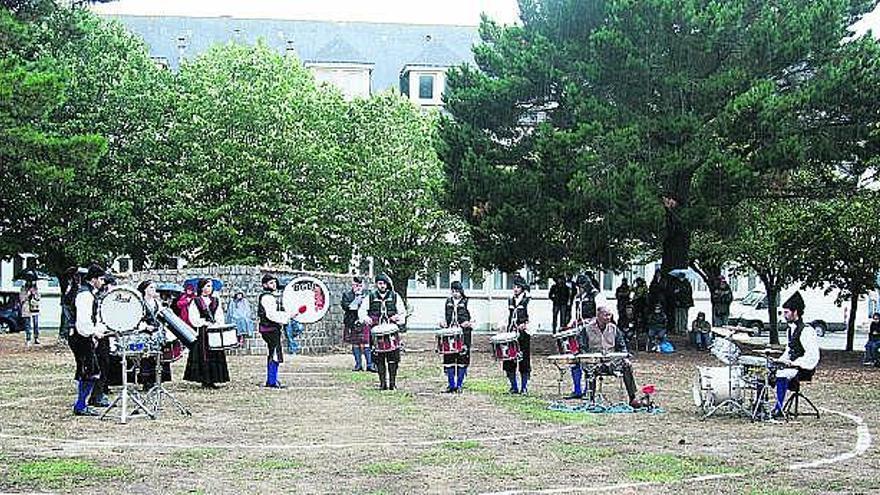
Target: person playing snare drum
[
  {"x": 384, "y": 305},
  {"x": 518, "y": 321},
  {"x": 457, "y": 314}
]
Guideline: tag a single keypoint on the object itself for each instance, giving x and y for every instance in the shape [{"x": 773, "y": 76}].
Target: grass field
[{"x": 331, "y": 431}]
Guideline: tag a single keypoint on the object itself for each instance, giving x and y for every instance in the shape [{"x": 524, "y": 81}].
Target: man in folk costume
[
  {"x": 584, "y": 310},
  {"x": 518, "y": 321},
  {"x": 272, "y": 318},
  {"x": 381, "y": 305},
  {"x": 602, "y": 335},
  {"x": 353, "y": 333},
  {"x": 457, "y": 314},
  {"x": 801, "y": 355},
  {"x": 203, "y": 364},
  {"x": 83, "y": 336}
]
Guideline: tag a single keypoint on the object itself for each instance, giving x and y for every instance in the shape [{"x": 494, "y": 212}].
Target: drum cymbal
[{"x": 722, "y": 331}]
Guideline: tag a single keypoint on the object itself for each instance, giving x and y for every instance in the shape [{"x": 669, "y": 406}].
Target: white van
[{"x": 821, "y": 311}]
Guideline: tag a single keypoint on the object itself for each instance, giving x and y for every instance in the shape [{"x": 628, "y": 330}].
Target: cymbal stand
[
  {"x": 128, "y": 392},
  {"x": 158, "y": 391}
]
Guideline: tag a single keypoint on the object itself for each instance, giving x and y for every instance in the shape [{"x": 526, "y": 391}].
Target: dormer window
[{"x": 426, "y": 87}]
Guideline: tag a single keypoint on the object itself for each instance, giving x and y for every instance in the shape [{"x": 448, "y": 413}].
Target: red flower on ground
[{"x": 648, "y": 389}]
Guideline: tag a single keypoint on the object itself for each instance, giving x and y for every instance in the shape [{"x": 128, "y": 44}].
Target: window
[
  {"x": 734, "y": 283},
  {"x": 638, "y": 271},
  {"x": 477, "y": 281},
  {"x": 444, "y": 278},
  {"x": 497, "y": 280},
  {"x": 608, "y": 281},
  {"x": 411, "y": 284},
  {"x": 701, "y": 285},
  {"x": 426, "y": 87},
  {"x": 752, "y": 282},
  {"x": 465, "y": 277},
  {"x": 124, "y": 265},
  {"x": 509, "y": 284},
  {"x": 431, "y": 281}
]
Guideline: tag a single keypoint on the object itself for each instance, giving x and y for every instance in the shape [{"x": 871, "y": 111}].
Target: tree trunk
[
  {"x": 851, "y": 324},
  {"x": 711, "y": 275},
  {"x": 676, "y": 243},
  {"x": 772, "y": 304}
]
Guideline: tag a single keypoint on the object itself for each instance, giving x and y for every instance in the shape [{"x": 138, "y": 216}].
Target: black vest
[
  {"x": 207, "y": 312},
  {"x": 261, "y": 312},
  {"x": 457, "y": 315},
  {"x": 377, "y": 300},
  {"x": 150, "y": 312},
  {"x": 795, "y": 348},
  {"x": 585, "y": 306},
  {"x": 518, "y": 313}
]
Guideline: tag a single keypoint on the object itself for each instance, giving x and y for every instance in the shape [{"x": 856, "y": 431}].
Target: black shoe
[
  {"x": 100, "y": 402},
  {"x": 373, "y": 369},
  {"x": 574, "y": 396},
  {"x": 450, "y": 390},
  {"x": 513, "y": 391},
  {"x": 36, "y": 342},
  {"x": 210, "y": 386},
  {"x": 276, "y": 385},
  {"x": 357, "y": 368},
  {"x": 88, "y": 411}
]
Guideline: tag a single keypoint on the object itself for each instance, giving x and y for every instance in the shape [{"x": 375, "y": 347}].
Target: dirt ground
[{"x": 331, "y": 431}]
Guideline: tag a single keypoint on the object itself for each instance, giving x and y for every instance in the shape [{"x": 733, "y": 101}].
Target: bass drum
[
  {"x": 178, "y": 327},
  {"x": 714, "y": 385},
  {"x": 121, "y": 309}
]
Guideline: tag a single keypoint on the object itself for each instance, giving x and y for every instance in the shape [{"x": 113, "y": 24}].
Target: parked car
[
  {"x": 10, "y": 312},
  {"x": 822, "y": 312}
]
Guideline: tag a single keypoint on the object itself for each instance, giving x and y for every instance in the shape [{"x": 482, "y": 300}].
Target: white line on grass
[
  {"x": 293, "y": 447},
  {"x": 863, "y": 443}
]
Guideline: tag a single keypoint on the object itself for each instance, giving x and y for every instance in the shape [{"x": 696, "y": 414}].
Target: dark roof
[{"x": 389, "y": 46}]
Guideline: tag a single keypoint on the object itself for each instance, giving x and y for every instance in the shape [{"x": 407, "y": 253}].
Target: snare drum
[
  {"x": 755, "y": 366},
  {"x": 132, "y": 344},
  {"x": 221, "y": 337},
  {"x": 505, "y": 346},
  {"x": 567, "y": 341},
  {"x": 450, "y": 340},
  {"x": 385, "y": 337}
]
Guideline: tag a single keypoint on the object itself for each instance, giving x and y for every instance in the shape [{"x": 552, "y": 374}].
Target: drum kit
[
  {"x": 121, "y": 310},
  {"x": 741, "y": 386}
]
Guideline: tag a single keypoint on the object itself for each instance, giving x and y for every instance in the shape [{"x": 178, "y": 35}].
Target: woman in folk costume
[
  {"x": 457, "y": 314},
  {"x": 383, "y": 303},
  {"x": 272, "y": 319},
  {"x": 203, "y": 364},
  {"x": 518, "y": 321},
  {"x": 150, "y": 323}
]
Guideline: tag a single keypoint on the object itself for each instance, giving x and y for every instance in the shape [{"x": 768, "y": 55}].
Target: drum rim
[{"x": 121, "y": 288}]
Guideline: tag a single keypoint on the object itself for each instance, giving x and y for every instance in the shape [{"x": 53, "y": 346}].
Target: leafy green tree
[
  {"x": 656, "y": 119},
  {"x": 841, "y": 238},
  {"x": 398, "y": 183},
  {"x": 259, "y": 162}
]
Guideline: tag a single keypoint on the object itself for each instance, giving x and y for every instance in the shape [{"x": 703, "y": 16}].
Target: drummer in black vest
[
  {"x": 382, "y": 305},
  {"x": 83, "y": 336},
  {"x": 518, "y": 321},
  {"x": 203, "y": 364},
  {"x": 801, "y": 355},
  {"x": 457, "y": 314},
  {"x": 583, "y": 311},
  {"x": 272, "y": 319}
]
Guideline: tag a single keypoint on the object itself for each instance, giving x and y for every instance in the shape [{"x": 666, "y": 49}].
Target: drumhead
[
  {"x": 306, "y": 297},
  {"x": 503, "y": 337},
  {"x": 572, "y": 332},
  {"x": 449, "y": 332},
  {"x": 385, "y": 329},
  {"x": 121, "y": 309}
]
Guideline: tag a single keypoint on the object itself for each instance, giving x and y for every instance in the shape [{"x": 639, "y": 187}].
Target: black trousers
[
  {"x": 625, "y": 369},
  {"x": 102, "y": 353},
  {"x": 273, "y": 343},
  {"x": 83, "y": 350},
  {"x": 559, "y": 318},
  {"x": 387, "y": 362}
]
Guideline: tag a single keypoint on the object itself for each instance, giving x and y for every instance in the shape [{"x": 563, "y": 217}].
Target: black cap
[
  {"x": 267, "y": 277},
  {"x": 95, "y": 271},
  {"x": 456, "y": 286},
  {"x": 520, "y": 282},
  {"x": 384, "y": 278},
  {"x": 142, "y": 287},
  {"x": 795, "y": 303}
]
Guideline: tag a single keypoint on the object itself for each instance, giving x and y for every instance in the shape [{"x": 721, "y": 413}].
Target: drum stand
[
  {"x": 128, "y": 393},
  {"x": 732, "y": 404},
  {"x": 154, "y": 395},
  {"x": 761, "y": 409}
]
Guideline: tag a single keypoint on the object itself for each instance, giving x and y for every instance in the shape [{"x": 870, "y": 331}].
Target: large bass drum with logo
[
  {"x": 121, "y": 309},
  {"x": 307, "y": 298}
]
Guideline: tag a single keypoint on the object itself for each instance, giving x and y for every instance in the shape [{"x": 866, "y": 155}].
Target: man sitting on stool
[
  {"x": 801, "y": 355},
  {"x": 601, "y": 335}
]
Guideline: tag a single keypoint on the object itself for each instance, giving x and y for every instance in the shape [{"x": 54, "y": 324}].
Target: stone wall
[{"x": 318, "y": 337}]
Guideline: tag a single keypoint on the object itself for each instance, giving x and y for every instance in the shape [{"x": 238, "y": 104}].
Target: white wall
[
  {"x": 354, "y": 82},
  {"x": 439, "y": 75}
]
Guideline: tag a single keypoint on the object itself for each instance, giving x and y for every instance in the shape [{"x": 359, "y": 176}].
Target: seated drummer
[
  {"x": 457, "y": 314},
  {"x": 602, "y": 336},
  {"x": 801, "y": 355}
]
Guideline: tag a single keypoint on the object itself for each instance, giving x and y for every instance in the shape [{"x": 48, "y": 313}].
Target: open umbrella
[
  {"x": 169, "y": 287},
  {"x": 31, "y": 275},
  {"x": 681, "y": 272},
  {"x": 217, "y": 284}
]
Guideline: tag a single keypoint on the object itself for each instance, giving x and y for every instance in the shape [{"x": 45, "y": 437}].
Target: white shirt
[
  {"x": 808, "y": 339},
  {"x": 196, "y": 318},
  {"x": 84, "y": 303},
  {"x": 270, "y": 307}
]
